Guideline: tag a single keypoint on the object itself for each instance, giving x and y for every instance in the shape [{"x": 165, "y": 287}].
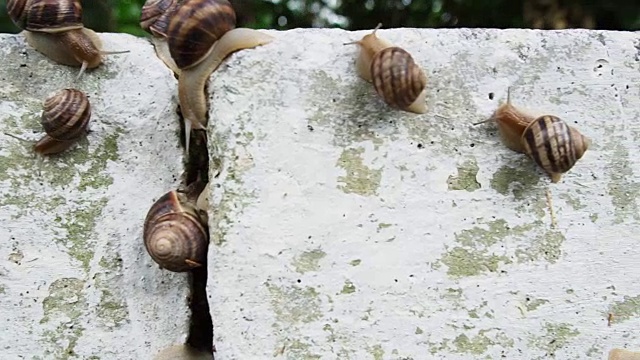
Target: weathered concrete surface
[
  {"x": 348, "y": 230},
  {"x": 75, "y": 280}
]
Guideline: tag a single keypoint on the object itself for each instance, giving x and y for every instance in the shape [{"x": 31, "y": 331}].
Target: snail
[
  {"x": 154, "y": 19},
  {"x": 175, "y": 232},
  {"x": 547, "y": 140},
  {"x": 511, "y": 123},
  {"x": 182, "y": 352},
  {"x": 54, "y": 28},
  {"x": 201, "y": 35},
  {"x": 65, "y": 117},
  {"x": 623, "y": 354},
  {"x": 396, "y": 77},
  {"x": 203, "y": 199}
]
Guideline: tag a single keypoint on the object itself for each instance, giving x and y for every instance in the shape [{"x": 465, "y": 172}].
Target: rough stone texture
[
  {"x": 75, "y": 280},
  {"x": 344, "y": 229}
]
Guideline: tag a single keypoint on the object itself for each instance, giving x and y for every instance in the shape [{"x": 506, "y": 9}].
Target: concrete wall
[
  {"x": 341, "y": 229},
  {"x": 345, "y": 229}
]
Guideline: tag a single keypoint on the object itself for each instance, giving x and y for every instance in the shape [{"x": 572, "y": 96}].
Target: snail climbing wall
[{"x": 342, "y": 228}]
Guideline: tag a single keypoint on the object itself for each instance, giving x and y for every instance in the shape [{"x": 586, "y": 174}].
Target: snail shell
[
  {"x": 55, "y": 29},
  {"x": 50, "y": 16},
  {"x": 547, "y": 140},
  {"x": 155, "y": 18},
  {"x": 65, "y": 118},
  {"x": 201, "y": 35},
  {"x": 196, "y": 25},
  {"x": 396, "y": 77},
  {"x": 553, "y": 145},
  {"x": 399, "y": 80},
  {"x": 156, "y": 15},
  {"x": 66, "y": 114},
  {"x": 174, "y": 233}
]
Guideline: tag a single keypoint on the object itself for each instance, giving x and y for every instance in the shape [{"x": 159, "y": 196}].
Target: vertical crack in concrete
[
  {"x": 197, "y": 171},
  {"x": 201, "y": 324}
]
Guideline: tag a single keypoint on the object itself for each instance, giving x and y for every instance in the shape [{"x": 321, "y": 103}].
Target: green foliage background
[{"x": 123, "y": 15}]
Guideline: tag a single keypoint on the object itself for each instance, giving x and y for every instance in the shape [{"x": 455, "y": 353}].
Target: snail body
[
  {"x": 182, "y": 352},
  {"x": 511, "y": 124},
  {"x": 175, "y": 233},
  {"x": 65, "y": 118},
  {"x": 623, "y": 354},
  {"x": 202, "y": 202},
  {"x": 396, "y": 77},
  {"x": 154, "y": 19},
  {"x": 54, "y": 28},
  {"x": 200, "y": 36},
  {"x": 547, "y": 140}
]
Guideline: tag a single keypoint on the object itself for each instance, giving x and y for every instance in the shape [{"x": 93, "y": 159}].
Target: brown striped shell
[
  {"x": 174, "y": 233},
  {"x": 66, "y": 114},
  {"x": 195, "y": 26},
  {"x": 553, "y": 145},
  {"x": 15, "y": 9},
  {"x": 49, "y": 16},
  {"x": 156, "y": 15},
  {"x": 398, "y": 79}
]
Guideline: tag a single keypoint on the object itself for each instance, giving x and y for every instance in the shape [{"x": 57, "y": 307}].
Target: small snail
[
  {"x": 623, "y": 354},
  {"x": 55, "y": 29},
  {"x": 182, "y": 352},
  {"x": 175, "y": 233},
  {"x": 396, "y": 77},
  {"x": 547, "y": 140},
  {"x": 203, "y": 199},
  {"x": 201, "y": 35},
  {"x": 65, "y": 117},
  {"x": 154, "y": 19}
]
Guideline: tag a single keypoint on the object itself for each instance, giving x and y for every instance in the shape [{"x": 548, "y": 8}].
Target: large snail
[
  {"x": 154, "y": 19},
  {"x": 201, "y": 35},
  {"x": 55, "y": 29},
  {"x": 547, "y": 140},
  {"x": 65, "y": 117},
  {"x": 396, "y": 77},
  {"x": 175, "y": 232}
]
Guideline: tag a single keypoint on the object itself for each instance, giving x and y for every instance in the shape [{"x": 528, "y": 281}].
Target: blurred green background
[{"x": 123, "y": 15}]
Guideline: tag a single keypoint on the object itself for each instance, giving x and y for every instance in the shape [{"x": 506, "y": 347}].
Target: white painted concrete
[
  {"x": 75, "y": 280},
  {"x": 343, "y": 229},
  {"x": 348, "y": 230}
]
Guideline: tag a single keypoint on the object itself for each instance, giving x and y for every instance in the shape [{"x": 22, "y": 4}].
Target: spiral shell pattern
[
  {"x": 195, "y": 26},
  {"x": 396, "y": 77},
  {"x": 174, "y": 236},
  {"x": 553, "y": 145},
  {"x": 15, "y": 9},
  {"x": 66, "y": 114},
  {"x": 156, "y": 15},
  {"x": 50, "y": 16}
]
